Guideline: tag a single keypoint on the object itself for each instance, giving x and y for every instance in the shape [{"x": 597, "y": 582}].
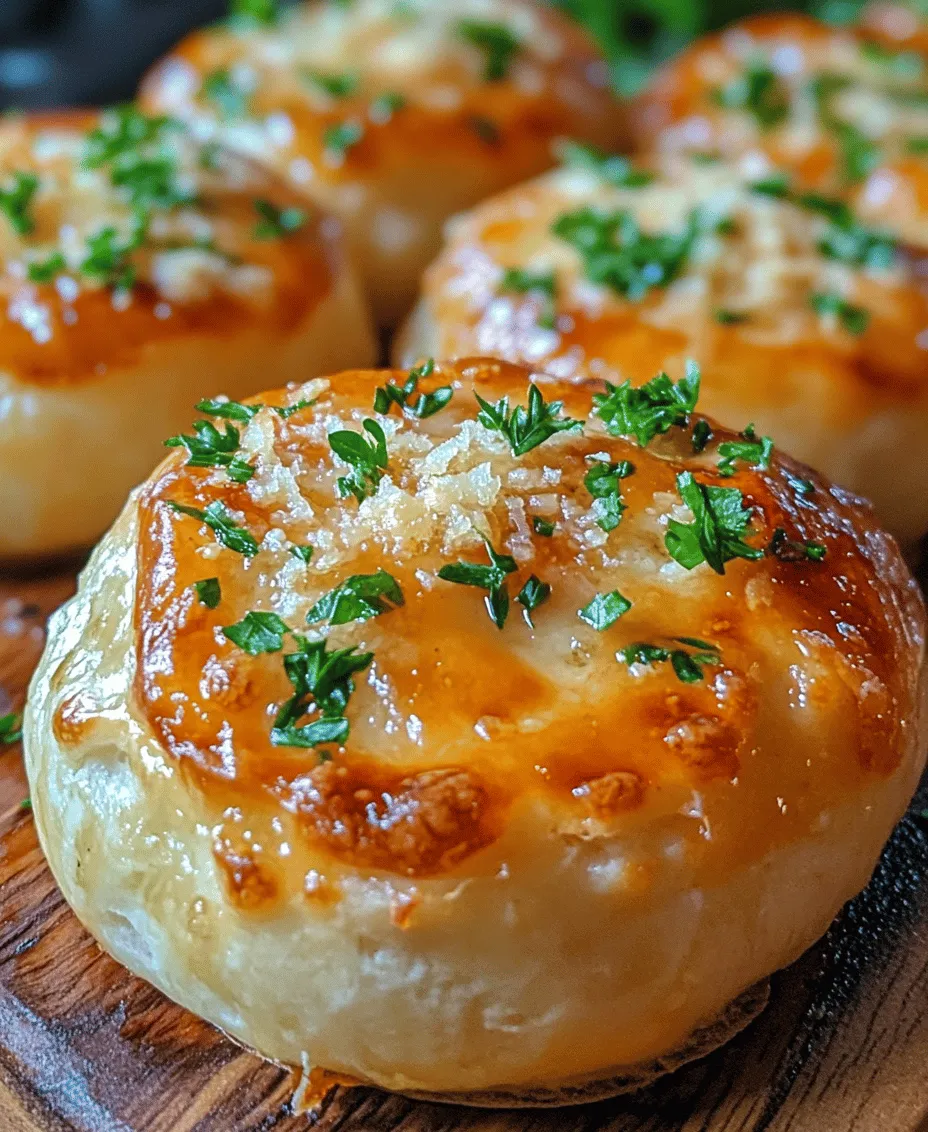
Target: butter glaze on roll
[
  {"x": 122, "y": 304},
  {"x": 394, "y": 117},
  {"x": 844, "y": 111},
  {"x": 529, "y": 857},
  {"x": 822, "y": 349}
]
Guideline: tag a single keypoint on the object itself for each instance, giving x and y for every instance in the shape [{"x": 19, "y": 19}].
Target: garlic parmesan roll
[
  {"x": 391, "y": 115},
  {"x": 842, "y": 112},
  {"x": 141, "y": 271},
  {"x": 806, "y": 321},
  {"x": 476, "y": 744}
]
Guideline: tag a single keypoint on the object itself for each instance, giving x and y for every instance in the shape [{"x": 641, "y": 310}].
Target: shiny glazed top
[
  {"x": 339, "y": 93},
  {"x": 843, "y": 111},
  {"x": 781, "y": 302},
  {"x": 117, "y": 231},
  {"x": 806, "y": 669}
]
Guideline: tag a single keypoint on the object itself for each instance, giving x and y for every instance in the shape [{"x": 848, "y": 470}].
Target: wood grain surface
[{"x": 85, "y": 1047}]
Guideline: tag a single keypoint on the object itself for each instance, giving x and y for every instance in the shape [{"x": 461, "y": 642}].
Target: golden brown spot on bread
[
  {"x": 74, "y": 719},
  {"x": 611, "y": 793},
  {"x": 250, "y": 884}
]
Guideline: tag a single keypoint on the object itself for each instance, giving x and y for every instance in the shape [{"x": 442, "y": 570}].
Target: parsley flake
[
  {"x": 847, "y": 240},
  {"x": 775, "y": 185},
  {"x": 303, "y": 553},
  {"x": 321, "y": 681},
  {"x": 15, "y": 202},
  {"x": 534, "y": 593},
  {"x": 687, "y": 664},
  {"x": 109, "y": 255},
  {"x": 543, "y": 527},
  {"x": 498, "y": 43},
  {"x": 385, "y": 105},
  {"x": 209, "y": 592},
  {"x": 602, "y": 482},
  {"x": 340, "y": 137},
  {"x": 758, "y": 92},
  {"x": 749, "y": 448},
  {"x": 45, "y": 270},
  {"x": 541, "y": 284},
  {"x": 644, "y": 411},
  {"x": 830, "y": 305},
  {"x": 263, "y": 13},
  {"x": 11, "y": 729},
  {"x": 226, "y": 94},
  {"x": 610, "y": 167},
  {"x": 210, "y": 448},
  {"x": 491, "y": 578},
  {"x": 702, "y": 434},
  {"x": 720, "y": 519},
  {"x": 368, "y": 459},
  {"x": 604, "y": 610},
  {"x": 334, "y": 85},
  {"x": 425, "y": 405},
  {"x": 525, "y": 429},
  {"x": 285, "y": 412},
  {"x": 228, "y": 410},
  {"x": 726, "y": 317},
  {"x": 220, "y": 522},
  {"x": 358, "y": 598},
  {"x": 784, "y": 548},
  {"x": 274, "y": 223},
  {"x": 258, "y": 632},
  {"x": 616, "y": 253}
]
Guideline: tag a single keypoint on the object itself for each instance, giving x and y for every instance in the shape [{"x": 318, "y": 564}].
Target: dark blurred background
[{"x": 73, "y": 52}]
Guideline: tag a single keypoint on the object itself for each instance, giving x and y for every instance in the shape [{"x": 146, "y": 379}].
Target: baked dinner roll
[
  {"x": 843, "y": 112},
  {"x": 472, "y": 747},
  {"x": 141, "y": 271},
  {"x": 393, "y": 116},
  {"x": 806, "y": 322}
]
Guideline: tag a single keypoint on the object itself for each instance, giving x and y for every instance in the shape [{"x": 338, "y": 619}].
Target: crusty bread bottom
[{"x": 735, "y": 1017}]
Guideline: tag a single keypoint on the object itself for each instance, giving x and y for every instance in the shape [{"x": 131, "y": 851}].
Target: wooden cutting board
[{"x": 85, "y": 1047}]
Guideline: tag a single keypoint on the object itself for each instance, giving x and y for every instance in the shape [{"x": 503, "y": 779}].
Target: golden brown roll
[
  {"x": 806, "y": 322},
  {"x": 844, "y": 111},
  {"x": 140, "y": 272},
  {"x": 479, "y": 744},
  {"x": 394, "y": 116}
]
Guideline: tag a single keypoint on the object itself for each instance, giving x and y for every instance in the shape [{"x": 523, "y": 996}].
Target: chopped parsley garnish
[
  {"x": 847, "y": 240},
  {"x": 15, "y": 202},
  {"x": 917, "y": 145},
  {"x": 898, "y": 64},
  {"x": 303, "y": 553},
  {"x": 644, "y": 411},
  {"x": 285, "y": 412},
  {"x": 385, "y": 105},
  {"x": 229, "y": 98},
  {"x": 751, "y": 449},
  {"x": 525, "y": 429},
  {"x": 617, "y": 254},
  {"x": 258, "y": 632},
  {"x": 341, "y": 137},
  {"x": 321, "y": 681},
  {"x": 800, "y": 486},
  {"x": 784, "y": 548},
  {"x": 686, "y": 663},
  {"x": 212, "y": 448},
  {"x": 108, "y": 256},
  {"x": 759, "y": 93},
  {"x": 45, "y": 270},
  {"x": 209, "y": 592},
  {"x": 11, "y": 729},
  {"x": 274, "y": 223},
  {"x": 367, "y": 457},
  {"x": 358, "y": 598},
  {"x": 859, "y": 155},
  {"x": 604, "y": 610},
  {"x": 124, "y": 141},
  {"x": 602, "y": 482},
  {"x": 491, "y": 578},
  {"x": 220, "y": 522},
  {"x": 335, "y": 86},
  {"x": 775, "y": 185},
  {"x": 425, "y": 405},
  {"x": 264, "y": 13},
  {"x": 539, "y": 283},
  {"x": 543, "y": 527},
  {"x": 611, "y": 167},
  {"x": 715, "y": 536},
  {"x": 498, "y": 43},
  {"x": 228, "y": 410},
  {"x": 534, "y": 593},
  {"x": 727, "y": 317},
  {"x": 120, "y": 133},
  {"x": 854, "y": 319},
  {"x": 702, "y": 434}
]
